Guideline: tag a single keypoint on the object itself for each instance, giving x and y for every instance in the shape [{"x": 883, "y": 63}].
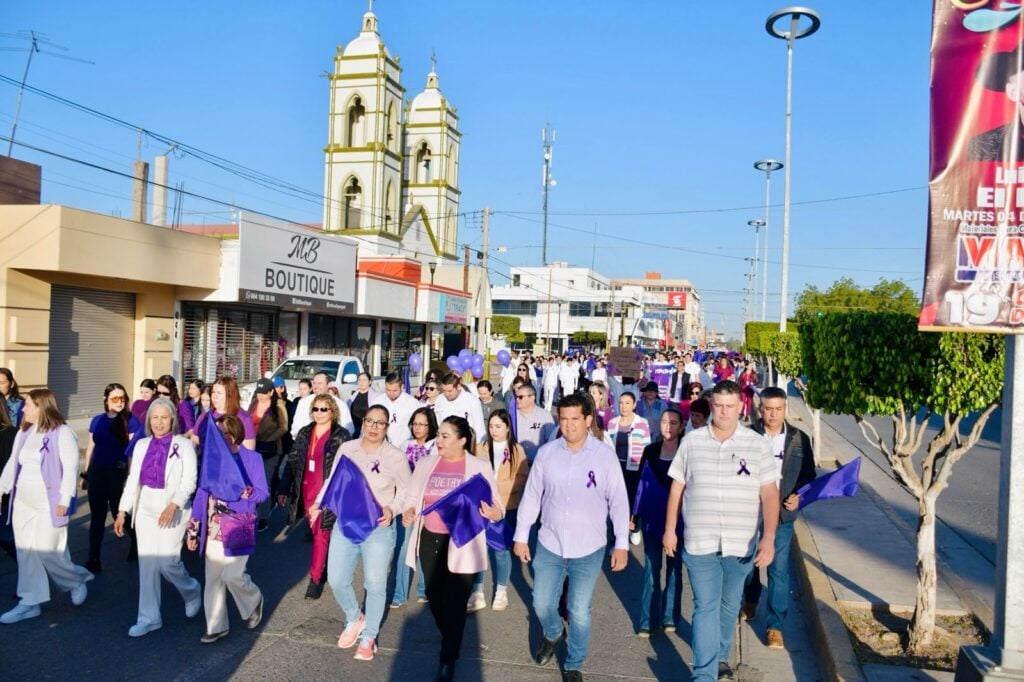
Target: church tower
[
  {"x": 432, "y": 162},
  {"x": 363, "y": 186}
]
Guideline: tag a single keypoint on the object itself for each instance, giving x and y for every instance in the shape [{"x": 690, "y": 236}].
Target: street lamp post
[
  {"x": 794, "y": 33},
  {"x": 766, "y": 166},
  {"x": 757, "y": 225}
]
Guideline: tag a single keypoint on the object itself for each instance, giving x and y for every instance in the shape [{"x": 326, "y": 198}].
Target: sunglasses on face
[
  {"x": 523, "y": 396},
  {"x": 431, "y": 388},
  {"x": 116, "y": 399},
  {"x": 319, "y": 409},
  {"x": 164, "y": 393}
]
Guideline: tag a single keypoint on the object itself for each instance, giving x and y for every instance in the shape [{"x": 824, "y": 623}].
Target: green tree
[
  {"x": 507, "y": 326},
  {"x": 754, "y": 333},
  {"x": 878, "y": 363},
  {"x": 845, "y": 295}
]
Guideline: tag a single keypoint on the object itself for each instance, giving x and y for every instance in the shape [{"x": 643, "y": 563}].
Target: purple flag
[
  {"x": 843, "y": 482},
  {"x": 348, "y": 495},
  {"x": 221, "y": 473},
  {"x": 460, "y": 509},
  {"x": 500, "y": 535},
  {"x": 407, "y": 386}
]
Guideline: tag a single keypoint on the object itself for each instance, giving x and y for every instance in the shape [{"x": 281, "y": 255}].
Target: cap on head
[{"x": 264, "y": 386}]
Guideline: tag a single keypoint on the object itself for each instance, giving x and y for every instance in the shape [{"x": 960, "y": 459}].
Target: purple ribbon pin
[
  {"x": 376, "y": 466},
  {"x": 743, "y": 468},
  {"x": 781, "y": 455},
  {"x": 174, "y": 451},
  {"x": 394, "y": 417},
  {"x": 504, "y": 459},
  {"x": 591, "y": 481},
  {"x": 46, "y": 445}
]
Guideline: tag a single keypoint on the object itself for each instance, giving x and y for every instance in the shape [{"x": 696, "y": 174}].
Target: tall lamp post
[
  {"x": 795, "y": 32},
  {"x": 757, "y": 225},
  {"x": 766, "y": 166}
]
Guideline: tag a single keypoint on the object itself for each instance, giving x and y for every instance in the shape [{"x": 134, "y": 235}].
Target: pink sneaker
[
  {"x": 351, "y": 633},
  {"x": 367, "y": 648}
]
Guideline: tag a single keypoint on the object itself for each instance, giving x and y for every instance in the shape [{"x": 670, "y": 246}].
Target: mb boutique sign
[{"x": 293, "y": 268}]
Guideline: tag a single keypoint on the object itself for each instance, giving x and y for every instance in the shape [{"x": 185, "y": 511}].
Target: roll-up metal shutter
[
  {"x": 92, "y": 342},
  {"x": 239, "y": 343}
]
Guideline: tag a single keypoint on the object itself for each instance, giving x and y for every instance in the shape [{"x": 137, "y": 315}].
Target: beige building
[{"x": 673, "y": 302}]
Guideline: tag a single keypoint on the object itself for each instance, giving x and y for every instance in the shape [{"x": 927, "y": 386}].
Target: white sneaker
[
  {"x": 140, "y": 629},
  {"x": 476, "y": 602},
  {"x": 635, "y": 537},
  {"x": 20, "y": 612},
  {"x": 78, "y": 594},
  {"x": 500, "y": 602}
]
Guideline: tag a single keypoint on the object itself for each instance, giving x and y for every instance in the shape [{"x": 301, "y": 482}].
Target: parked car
[{"x": 343, "y": 369}]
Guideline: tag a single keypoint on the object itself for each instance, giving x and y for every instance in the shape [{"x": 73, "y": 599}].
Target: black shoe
[
  {"x": 314, "y": 589},
  {"x": 262, "y": 525},
  {"x": 547, "y": 649},
  {"x": 93, "y": 566},
  {"x": 446, "y": 672},
  {"x": 724, "y": 671},
  {"x": 211, "y": 638},
  {"x": 572, "y": 676}
]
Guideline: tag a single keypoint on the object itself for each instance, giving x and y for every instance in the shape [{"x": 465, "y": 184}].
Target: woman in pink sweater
[{"x": 448, "y": 568}]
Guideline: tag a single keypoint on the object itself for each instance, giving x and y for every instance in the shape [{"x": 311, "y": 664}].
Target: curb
[{"x": 834, "y": 649}]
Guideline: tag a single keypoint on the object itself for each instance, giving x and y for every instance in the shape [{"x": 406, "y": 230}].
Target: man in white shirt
[
  {"x": 508, "y": 372},
  {"x": 302, "y": 416},
  {"x": 569, "y": 376},
  {"x": 400, "y": 406},
  {"x": 690, "y": 367},
  {"x": 726, "y": 474},
  {"x": 550, "y": 379},
  {"x": 455, "y": 400}
]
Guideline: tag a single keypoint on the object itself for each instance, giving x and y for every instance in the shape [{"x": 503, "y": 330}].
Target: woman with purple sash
[
  {"x": 41, "y": 476},
  {"x": 223, "y": 526},
  {"x": 157, "y": 494}
]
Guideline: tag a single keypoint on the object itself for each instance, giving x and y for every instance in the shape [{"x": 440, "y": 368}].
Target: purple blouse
[{"x": 154, "y": 462}]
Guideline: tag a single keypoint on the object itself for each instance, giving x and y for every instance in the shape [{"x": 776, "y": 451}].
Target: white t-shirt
[
  {"x": 401, "y": 410},
  {"x": 466, "y": 406}
]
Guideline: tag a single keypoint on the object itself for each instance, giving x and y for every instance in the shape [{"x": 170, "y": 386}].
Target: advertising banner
[
  {"x": 297, "y": 269},
  {"x": 974, "y": 272},
  {"x": 676, "y": 299}
]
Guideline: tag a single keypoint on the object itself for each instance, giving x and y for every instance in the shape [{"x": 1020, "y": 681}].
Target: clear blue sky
[{"x": 659, "y": 107}]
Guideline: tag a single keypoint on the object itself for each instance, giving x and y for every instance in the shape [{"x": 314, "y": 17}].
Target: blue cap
[{"x": 278, "y": 381}]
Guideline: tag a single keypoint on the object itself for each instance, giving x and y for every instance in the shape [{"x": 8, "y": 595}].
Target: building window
[
  {"x": 389, "y": 201},
  {"x": 514, "y": 307},
  {"x": 423, "y": 172},
  {"x": 354, "y": 131},
  {"x": 350, "y": 219},
  {"x": 579, "y": 309}
]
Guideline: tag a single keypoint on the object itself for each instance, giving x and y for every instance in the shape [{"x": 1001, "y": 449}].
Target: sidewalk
[{"x": 858, "y": 553}]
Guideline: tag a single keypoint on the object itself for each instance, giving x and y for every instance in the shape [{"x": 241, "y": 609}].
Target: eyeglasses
[
  {"x": 425, "y": 425},
  {"x": 694, "y": 392},
  {"x": 523, "y": 396},
  {"x": 375, "y": 422},
  {"x": 116, "y": 399},
  {"x": 319, "y": 409},
  {"x": 164, "y": 393},
  {"x": 431, "y": 388}
]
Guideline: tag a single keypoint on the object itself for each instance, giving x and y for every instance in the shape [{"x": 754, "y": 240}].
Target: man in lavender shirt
[{"x": 575, "y": 485}]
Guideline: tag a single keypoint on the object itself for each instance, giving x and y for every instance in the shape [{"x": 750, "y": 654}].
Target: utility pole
[
  {"x": 547, "y": 136},
  {"x": 483, "y": 332},
  {"x": 465, "y": 270}
]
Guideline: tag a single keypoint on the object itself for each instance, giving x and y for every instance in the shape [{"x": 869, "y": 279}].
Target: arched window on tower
[
  {"x": 453, "y": 165},
  {"x": 389, "y": 209},
  {"x": 392, "y": 129},
  {"x": 350, "y": 218},
  {"x": 355, "y": 116},
  {"x": 451, "y": 231},
  {"x": 424, "y": 172}
]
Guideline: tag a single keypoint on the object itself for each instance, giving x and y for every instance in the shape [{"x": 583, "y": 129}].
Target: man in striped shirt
[{"x": 723, "y": 476}]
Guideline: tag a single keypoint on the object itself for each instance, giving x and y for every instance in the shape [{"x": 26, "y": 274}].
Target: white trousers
[
  {"x": 42, "y": 549},
  {"x": 160, "y": 555},
  {"x": 549, "y": 396},
  {"x": 227, "y": 572}
]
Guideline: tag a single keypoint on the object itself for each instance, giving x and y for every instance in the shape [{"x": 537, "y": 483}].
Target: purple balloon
[
  {"x": 453, "y": 363},
  {"x": 504, "y": 357},
  {"x": 478, "y": 359},
  {"x": 416, "y": 362},
  {"x": 465, "y": 353},
  {"x": 465, "y": 363},
  {"x": 478, "y": 371}
]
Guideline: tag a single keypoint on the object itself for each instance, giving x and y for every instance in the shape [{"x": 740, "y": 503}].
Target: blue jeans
[
  {"x": 342, "y": 556},
  {"x": 778, "y": 580},
  {"x": 549, "y": 574},
  {"x": 402, "y": 569},
  {"x": 668, "y": 601},
  {"x": 717, "y": 583},
  {"x": 501, "y": 562}
]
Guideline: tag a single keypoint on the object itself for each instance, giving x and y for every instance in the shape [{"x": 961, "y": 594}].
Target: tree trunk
[{"x": 922, "y": 626}]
